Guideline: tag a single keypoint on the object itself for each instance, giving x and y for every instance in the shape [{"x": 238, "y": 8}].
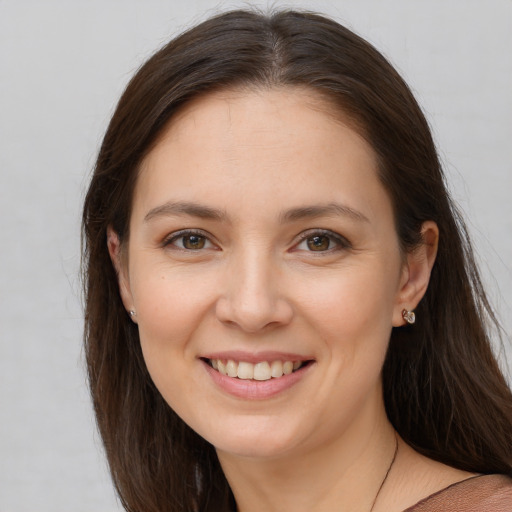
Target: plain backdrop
[{"x": 63, "y": 65}]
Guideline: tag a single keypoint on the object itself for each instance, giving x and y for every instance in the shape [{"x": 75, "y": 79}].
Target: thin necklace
[
  {"x": 383, "y": 480},
  {"x": 386, "y": 475}
]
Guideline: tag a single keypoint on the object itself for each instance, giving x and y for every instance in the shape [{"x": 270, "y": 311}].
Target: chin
[{"x": 253, "y": 441}]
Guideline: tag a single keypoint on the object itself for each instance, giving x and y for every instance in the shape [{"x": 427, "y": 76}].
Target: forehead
[
  {"x": 282, "y": 143},
  {"x": 251, "y": 105}
]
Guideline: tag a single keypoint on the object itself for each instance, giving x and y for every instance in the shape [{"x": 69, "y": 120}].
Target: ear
[
  {"x": 416, "y": 272},
  {"x": 115, "y": 252}
]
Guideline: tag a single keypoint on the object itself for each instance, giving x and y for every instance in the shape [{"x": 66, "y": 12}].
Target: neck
[{"x": 345, "y": 474}]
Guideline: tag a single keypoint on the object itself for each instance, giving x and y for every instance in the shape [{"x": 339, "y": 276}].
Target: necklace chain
[{"x": 386, "y": 475}]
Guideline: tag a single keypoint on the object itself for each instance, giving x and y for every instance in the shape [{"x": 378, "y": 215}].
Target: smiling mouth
[{"x": 264, "y": 370}]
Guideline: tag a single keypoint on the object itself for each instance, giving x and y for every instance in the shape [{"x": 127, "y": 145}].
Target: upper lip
[{"x": 255, "y": 357}]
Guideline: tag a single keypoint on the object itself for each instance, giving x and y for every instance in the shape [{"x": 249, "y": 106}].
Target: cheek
[
  {"x": 171, "y": 311},
  {"x": 356, "y": 298},
  {"x": 352, "y": 314},
  {"x": 170, "y": 308}
]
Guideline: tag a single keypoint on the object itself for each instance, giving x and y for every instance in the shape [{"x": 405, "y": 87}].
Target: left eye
[{"x": 321, "y": 242}]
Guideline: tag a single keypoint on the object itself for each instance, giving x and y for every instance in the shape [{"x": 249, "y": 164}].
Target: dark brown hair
[{"x": 444, "y": 391}]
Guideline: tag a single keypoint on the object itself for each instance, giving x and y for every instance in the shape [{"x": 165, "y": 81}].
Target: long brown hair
[{"x": 444, "y": 391}]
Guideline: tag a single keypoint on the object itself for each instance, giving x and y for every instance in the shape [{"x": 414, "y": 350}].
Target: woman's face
[{"x": 260, "y": 240}]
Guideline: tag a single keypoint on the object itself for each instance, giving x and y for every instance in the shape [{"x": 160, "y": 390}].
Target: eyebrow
[
  {"x": 191, "y": 209},
  {"x": 314, "y": 211},
  {"x": 180, "y": 208}
]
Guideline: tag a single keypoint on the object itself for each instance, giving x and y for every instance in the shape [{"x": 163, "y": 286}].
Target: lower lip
[{"x": 256, "y": 389}]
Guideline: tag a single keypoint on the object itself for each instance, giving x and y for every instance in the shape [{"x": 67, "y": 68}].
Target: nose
[{"x": 254, "y": 294}]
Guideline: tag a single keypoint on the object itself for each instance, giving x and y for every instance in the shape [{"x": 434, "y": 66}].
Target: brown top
[{"x": 482, "y": 493}]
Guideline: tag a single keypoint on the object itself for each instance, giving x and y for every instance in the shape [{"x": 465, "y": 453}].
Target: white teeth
[
  {"x": 221, "y": 367},
  {"x": 263, "y": 370},
  {"x": 287, "y": 367},
  {"x": 231, "y": 368},
  {"x": 245, "y": 370},
  {"x": 276, "y": 369}
]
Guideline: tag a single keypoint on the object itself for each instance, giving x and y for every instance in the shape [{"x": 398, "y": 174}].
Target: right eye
[{"x": 189, "y": 241}]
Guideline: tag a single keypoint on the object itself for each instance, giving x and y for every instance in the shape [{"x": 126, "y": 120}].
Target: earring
[
  {"x": 408, "y": 316},
  {"x": 132, "y": 313}
]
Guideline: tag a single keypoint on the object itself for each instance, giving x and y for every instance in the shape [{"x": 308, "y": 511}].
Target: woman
[{"x": 282, "y": 309}]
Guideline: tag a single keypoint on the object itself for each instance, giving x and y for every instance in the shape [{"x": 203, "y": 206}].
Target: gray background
[{"x": 63, "y": 65}]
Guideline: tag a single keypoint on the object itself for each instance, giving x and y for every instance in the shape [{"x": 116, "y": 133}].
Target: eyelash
[{"x": 340, "y": 241}]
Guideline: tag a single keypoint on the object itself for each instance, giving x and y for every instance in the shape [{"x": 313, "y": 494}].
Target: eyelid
[{"x": 341, "y": 241}]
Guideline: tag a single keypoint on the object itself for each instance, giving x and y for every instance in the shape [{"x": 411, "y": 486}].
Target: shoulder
[{"x": 482, "y": 493}]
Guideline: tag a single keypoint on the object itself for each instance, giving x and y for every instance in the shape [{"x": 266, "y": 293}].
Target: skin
[{"x": 251, "y": 282}]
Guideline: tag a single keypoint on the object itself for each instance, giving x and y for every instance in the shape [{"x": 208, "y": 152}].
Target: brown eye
[
  {"x": 193, "y": 242},
  {"x": 322, "y": 241},
  {"x": 318, "y": 243},
  {"x": 189, "y": 241}
]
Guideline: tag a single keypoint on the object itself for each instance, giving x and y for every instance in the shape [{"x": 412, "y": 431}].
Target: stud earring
[
  {"x": 408, "y": 316},
  {"x": 132, "y": 313}
]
